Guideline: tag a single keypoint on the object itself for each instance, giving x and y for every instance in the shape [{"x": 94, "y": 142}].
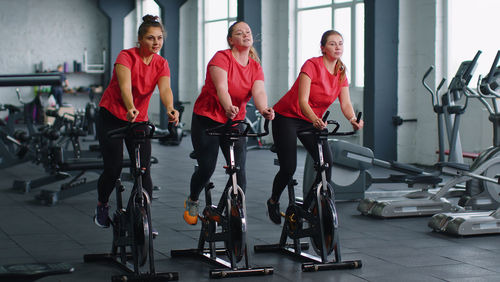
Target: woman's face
[
  {"x": 241, "y": 36},
  {"x": 334, "y": 47},
  {"x": 152, "y": 41}
]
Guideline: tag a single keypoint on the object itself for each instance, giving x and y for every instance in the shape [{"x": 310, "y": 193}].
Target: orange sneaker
[{"x": 191, "y": 211}]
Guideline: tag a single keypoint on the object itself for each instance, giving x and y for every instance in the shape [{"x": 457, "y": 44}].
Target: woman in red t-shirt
[
  {"x": 136, "y": 73},
  {"x": 233, "y": 77},
  {"x": 321, "y": 81}
]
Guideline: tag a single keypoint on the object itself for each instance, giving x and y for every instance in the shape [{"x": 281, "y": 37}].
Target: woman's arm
[
  {"x": 219, "y": 78},
  {"x": 167, "y": 99},
  {"x": 260, "y": 98},
  {"x": 125, "y": 82},
  {"x": 347, "y": 109},
  {"x": 304, "y": 92}
]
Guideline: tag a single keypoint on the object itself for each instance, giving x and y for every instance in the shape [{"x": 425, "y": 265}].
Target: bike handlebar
[
  {"x": 334, "y": 132},
  {"x": 229, "y": 130},
  {"x": 135, "y": 130}
]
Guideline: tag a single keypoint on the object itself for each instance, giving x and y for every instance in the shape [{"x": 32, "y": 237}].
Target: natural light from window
[
  {"x": 472, "y": 27},
  {"x": 314, "y": 17},
  {"x": 218, "y": 15}
]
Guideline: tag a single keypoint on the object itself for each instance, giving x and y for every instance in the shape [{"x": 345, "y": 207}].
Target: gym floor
[{"x": 401, "y": 249}]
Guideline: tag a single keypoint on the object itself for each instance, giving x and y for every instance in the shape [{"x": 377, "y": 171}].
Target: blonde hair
[
  {"x": 253, "y": 53},
  {"x": 339, "y": 66}
]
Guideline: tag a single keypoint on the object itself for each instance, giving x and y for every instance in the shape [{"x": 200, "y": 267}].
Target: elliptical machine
[
  {"x": 230, "y": 214},
  {"x": 319, "y": 211},
  {"x": 432, "y": 203},
  {"x": 132, "y": 226},
  {"x": 484, "y": 172}
]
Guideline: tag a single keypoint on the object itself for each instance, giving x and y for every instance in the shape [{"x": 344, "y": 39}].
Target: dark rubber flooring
[{"x": 403, "y": 249}]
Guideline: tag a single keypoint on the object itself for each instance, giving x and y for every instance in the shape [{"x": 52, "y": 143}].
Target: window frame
[
  {"x": 352, "y": 4},
  {"x": 229, "y": 20}
]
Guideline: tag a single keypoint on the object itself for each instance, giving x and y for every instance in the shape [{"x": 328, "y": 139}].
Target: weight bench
[{"x": 77, "y": 185}]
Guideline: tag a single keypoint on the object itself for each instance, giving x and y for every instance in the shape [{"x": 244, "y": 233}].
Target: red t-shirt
[
  {"x": 144, "y": 80},
  {"x": 240, "y": 80},
  {"x": 325, "y": 88}
]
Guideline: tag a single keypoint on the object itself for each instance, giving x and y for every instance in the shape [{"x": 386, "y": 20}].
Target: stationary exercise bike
[
  {"x": 230, "y": 214},
  {"x": 132, "y": 226},
  {"x": 319, "y": 211}
]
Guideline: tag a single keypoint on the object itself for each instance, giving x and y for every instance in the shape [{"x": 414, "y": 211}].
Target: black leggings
[
  {"x": 206, "y": 149},
  {"x": 112, "y": 155},
  {"x": 285, "y": 140}
]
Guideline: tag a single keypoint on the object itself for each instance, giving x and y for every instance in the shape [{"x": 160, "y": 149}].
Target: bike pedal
[{"x": 282, "y": 214}]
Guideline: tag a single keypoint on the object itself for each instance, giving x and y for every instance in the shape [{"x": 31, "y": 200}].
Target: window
[
  {"x": 314, "y": 17},
  {"x": 472, "y": 28},
  {"x": 133, "y": 20},
  {"x": 218, "y": 15}
]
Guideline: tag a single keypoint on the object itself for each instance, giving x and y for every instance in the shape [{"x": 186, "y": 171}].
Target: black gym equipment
[
  {"x": 175, "y": 133},
  {"x": 132, "y": 226},
  {"x": 255, "y": 127},
  {"x": 319, "y": 212},
  {"x": 34, "y": 79},
  {"x": 13, "y": 142},
  {"x": 27, "y": 272},
  {"x": 230, "y": 214}
]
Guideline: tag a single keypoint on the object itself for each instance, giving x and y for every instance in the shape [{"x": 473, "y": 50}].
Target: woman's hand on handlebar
[
  {"x": 268, "y": 113},
  {"x": 132, "y": 114},
  {"x": 319, "y": 124},
  {"x": 357, "y": 125},
  {"x": 173, "y": 116},
  {"x": 232, "y": 111}
]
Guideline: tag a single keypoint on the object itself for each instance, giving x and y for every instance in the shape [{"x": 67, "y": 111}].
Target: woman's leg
[
  {"x": 112, "y": 154},
  {"x": 206, "y": 149},
  {"x": 285, "y": 141}
]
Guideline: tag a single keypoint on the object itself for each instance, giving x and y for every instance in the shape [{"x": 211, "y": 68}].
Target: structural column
[
  {"x": 170, "y": 10},
  {"x": 381, "y": 73},
  {"x": 115, "y": 10}
]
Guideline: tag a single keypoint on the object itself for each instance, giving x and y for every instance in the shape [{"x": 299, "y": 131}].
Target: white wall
[
  {"x": 275, "y": 54},
  {"x": 189, "y": 72},
  {"x": 51, "y": 31},
  {"x": 417, "y": 141},
  {"x": 422, "y": 43}
]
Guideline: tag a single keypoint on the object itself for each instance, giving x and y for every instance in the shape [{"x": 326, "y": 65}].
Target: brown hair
[
  {"x": 339, "y": 66},
  {"x": 253, "y": 53},
  {"x": 147, "y": 22}
]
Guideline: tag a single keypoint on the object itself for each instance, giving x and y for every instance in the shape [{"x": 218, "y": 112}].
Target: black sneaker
[
  {"x": 154, "y": 232},
  {"x": 273, "y": 210},
  {"x": 101, "y": 217}
]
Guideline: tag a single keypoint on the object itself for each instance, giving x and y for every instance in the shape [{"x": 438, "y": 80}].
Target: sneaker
[
  {"x": 191, "y": 212},
  {"x": 273, "y": 210},
  {"x": 101, "y": 217}
]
